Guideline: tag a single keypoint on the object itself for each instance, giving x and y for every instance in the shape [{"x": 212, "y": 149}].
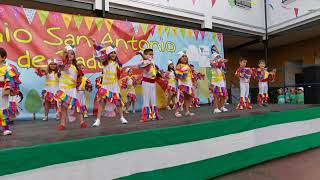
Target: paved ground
[
  {"x": 301, "y": 166},
  {"x": 28, "y": 133}
]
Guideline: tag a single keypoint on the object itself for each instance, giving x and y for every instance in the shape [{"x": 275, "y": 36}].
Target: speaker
[{"x": 312, "y": 88}]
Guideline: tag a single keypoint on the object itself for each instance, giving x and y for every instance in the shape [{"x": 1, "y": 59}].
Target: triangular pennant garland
[
  {"x": 88, "y": 20},
  {"x": 98, "y": 22},
  {"x": 174, "y": 30},
  {"x": 153, "y": 28},
  {"x": 29, "y": 14},
  {"x": 43, "y": 15},
  {"x": 144, "y": 28},
  {"x": 190, "y": 32},
  {"x": 183, "y": 32},
  {"x": 78, "y": 20},
  {"x": 213, "y": 2},
  {"x": 214, "y": 36},
  {"x": 167, "y": 30},
  {"x": 196, "y": 33},
  {"x": 219, "y": 36},
  {"x": 67, "y": 19},
  {"x": 202, "y": 33},
  {"x": 108, "y": 23},
  {"x": 296, "y": 11},
  {"x": 160, "y": 29}
]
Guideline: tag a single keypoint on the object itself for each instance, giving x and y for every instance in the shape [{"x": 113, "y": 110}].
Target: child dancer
[
  {"x": 195, "y": 77},
  {"x": 281, "y": 97},
  {"x": 171, "y": 90},
  {"x": 16, "y": 98},
  {"x": 83, "y": 85},
  {"x": 150, "y": 72},
  {"x": 129, "y": 84},
  {"x": 244, "y": 75},
  {"x": 218, "y": 83},
  {"x": 264, "y": 76},
  {"x": 300, "y": 95},
  {"x": 293, "y": 96},
  {"x": 51, "y": 86},
  {"x": 9, "y": 85},
  {"x": 185, "y": 90},
  {"x": 109, "y": 93},
  {"x": 67, "y": 93}
]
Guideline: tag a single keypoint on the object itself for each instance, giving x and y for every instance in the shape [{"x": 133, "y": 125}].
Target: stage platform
[
  {"x": 34, "y": 132},
  {"x": 203, "y": 146}
]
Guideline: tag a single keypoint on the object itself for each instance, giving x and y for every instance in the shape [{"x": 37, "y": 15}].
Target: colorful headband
[
  {"x": 52, "y": 61},
  {"x": 182, "y": 53},
  {"x": 70, "y": 47}
]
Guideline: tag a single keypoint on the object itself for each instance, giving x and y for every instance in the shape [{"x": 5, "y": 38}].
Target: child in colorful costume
[
  {"x": 196, "y": 76},
  {"x": 150, "y": 72},
  {"x": 218, "y": 82},
  {"x": 83, "y": 85},
  {"x": 67, "y": 93},
  {"x": 9, "y": 85},
  {"x": 244, "y": 73},
  {"x": 264, "y": 76},
  {"x": 129, "y": 83},
  {"x": 109, "y": 93},
  {"x": 185, "y": 90},
  {"x": 171, "y": 90},
  {"x": 51, "y": 86}
]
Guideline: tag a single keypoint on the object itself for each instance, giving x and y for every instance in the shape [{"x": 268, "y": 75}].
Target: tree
[{"x": 33, "y": 102}]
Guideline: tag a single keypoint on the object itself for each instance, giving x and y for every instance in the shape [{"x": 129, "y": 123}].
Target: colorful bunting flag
[
  {"x": 98, "y": 22},
  {"x": 108, "y": 23},
  {"x": 167, "y": 30},
  {"x": 202, "y": 33},
  {"x": 78, "y": 20},
  {"x": 214, "y": 36},
  {"x": 174, "y": 30},
  {"x": 88, "y": 20},
  {"x": 153, "y": 28},
  {"x": 160, "y": 29},
  {"x": 296, "y": 11},
  {"x": 196, "y": 33},
  {"x": 219, "y": 36},
  {"x": 29, "y": 14},
  {"x": 43, "y": 15},
  {"x": 213, "y": 2},
  {"x": 190, "y": 32},
  {"x": 66, "y": 19},
  {"x": 144, "y": 28},
  {"x": 183, "y": 32}
]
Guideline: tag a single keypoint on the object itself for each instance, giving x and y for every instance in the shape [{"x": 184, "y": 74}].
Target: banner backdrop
[{"x": 32, "y": 36}]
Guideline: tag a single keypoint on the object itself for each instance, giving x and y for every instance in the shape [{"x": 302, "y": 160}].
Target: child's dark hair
[
  {"x": 3, "y": 53},
  {"x": 170, "y": 68},
  {"x": 242, "y": 59},
  {"x": 147, "y": 50},
  {"x": 191, "y": 65},
  {"x": 262, "y": 61}
]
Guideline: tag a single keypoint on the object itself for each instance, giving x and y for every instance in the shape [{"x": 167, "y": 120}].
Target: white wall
[
  {"x": 282, "y": 18},
  {"x": 222, "y": 14}
]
